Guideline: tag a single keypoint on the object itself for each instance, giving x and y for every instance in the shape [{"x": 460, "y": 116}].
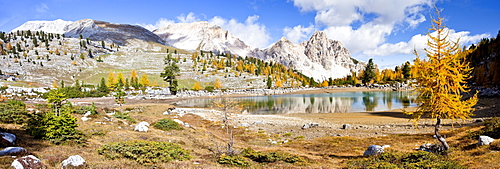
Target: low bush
[
  {"x": 124, "y": 116},
  {"x": 272, "y": 156},
  {"x": 13, "y": 112},
  {"x": 167, "y": 124},
  {"x": 417, "y": 159},
  {"x": 145, "y": 152},
  {"x": 235, "y": 160},
  {"x": 491, "y": 128}
]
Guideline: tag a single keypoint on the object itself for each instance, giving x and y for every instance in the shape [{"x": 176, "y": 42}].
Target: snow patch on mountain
[
  {"x": 57, "y": 26},
  {"x": 202, "y": 36}
]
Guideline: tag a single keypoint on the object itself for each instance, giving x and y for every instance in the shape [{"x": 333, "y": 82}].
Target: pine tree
[
  {"x": 442, "y": 79},
  {"x": 368, "y": 73}
]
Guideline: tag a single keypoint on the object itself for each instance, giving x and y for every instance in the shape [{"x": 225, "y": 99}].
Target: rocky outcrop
[
  {"x": 142, "y": 127},
  {"x": 484, "y": 140}
]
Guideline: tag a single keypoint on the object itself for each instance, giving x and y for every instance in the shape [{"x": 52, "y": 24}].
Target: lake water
[{"x": 317, "y": 103}]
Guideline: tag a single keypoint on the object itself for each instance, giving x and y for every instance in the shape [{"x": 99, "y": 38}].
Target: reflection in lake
[{"x": 317, "y": 103}]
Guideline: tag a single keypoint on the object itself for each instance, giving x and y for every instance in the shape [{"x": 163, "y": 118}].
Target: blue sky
[{"x": 385, "y": 30}]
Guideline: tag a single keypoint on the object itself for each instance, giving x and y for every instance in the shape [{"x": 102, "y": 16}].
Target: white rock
[
  {"x": 30, "y": 161},
  {"x": 87, "y": 114},
  {"x": 85, "y": 118},
  {"x": 375, "y": 149},
  {"x": 142, "y": 127},
  {"x": 484, "y": 140},
  {"x": 12, "y": 151},
  {"x": 74, "y": 161}
]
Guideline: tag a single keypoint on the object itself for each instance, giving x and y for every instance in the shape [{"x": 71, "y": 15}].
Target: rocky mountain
[
  {"x": 120, "y": 34},
  {"x": 202, "y": 36},
  {"x": 319, "y": 57}
]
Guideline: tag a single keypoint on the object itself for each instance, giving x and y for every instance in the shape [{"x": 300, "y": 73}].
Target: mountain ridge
[{"x": 319, "y": 57}]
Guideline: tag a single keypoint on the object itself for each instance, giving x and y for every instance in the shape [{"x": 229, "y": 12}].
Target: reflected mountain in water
[{"x": 317, "y": 103}]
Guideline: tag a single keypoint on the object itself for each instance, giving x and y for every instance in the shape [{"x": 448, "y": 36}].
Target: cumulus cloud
[
  {"x": 378, "y": 19},
  {"x": 162, "y": 22},
  {"x": 190, "y": 17},
  {"x": 250, "y": 31},
  {"x": 298, "y": 33},
  {"x": 418, "y": 42}
]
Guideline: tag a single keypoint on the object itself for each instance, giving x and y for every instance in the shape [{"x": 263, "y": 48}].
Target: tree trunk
[{"x": 439, "y": 137}]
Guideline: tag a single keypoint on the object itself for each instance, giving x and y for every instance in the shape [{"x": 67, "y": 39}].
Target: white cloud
[
  {"x": 419, "y": 42},
  {"x": 377, "y": 18},
  {"x": 187, "y": 18},
  {"x": 162, "y": 22},
  {"x": 42, "y": 8},
  {"x": 298, "y": 33},
  {"x": 251, "y": 32}
]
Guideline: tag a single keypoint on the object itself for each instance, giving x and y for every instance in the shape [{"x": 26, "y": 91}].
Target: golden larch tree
[
  {"x": 144, "y": 80},
  {"x": 197, "y": 86},
  {"x": 441, "y": 80},
  {"x": 111, "y": 80},
  {"x": 218, "y": 84}
]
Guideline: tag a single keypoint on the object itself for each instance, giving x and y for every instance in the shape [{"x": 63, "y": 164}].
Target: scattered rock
[
  {"x": 346, "y": 126},
  {"x": 257, "y": 123},
  {"x": 27, "y": 162},
  {"x": 430, "y": 148},
  {"x": 88, "y": 113},
  {"x": 13, "y": 151},
  {"x": 375, "y": 149},
  {"x": 73, "y": 161},
  {"x": 7, "y": 139},
  {"x": 142, "y": 127},
  {"x": 85, "y": 118},
  {"x": 484, "y": 140},
  {"x": 179, "y": 121},
  {"x": 244, "y": 125},
  {"x": 310, "y": 125},
  {"x": 479, "y": 120}
]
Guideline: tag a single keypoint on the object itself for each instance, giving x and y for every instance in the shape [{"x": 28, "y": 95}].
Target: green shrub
[
  {"x": 209, "y": 88},
  {"x": 84, "y": 109},
  {"x": 59, "y": 128},
  {"x": 124, "y": 116},
  {"x": 167, "y": 124},
  {"x": 491, "y": 128},
  {"x": 14, "y": 111},
  {"x": 417, "y": 159},
  {"x": 236, "y": 160},
  {"x": 272, "y": 156},
  {"x": 144, "y": 152}
]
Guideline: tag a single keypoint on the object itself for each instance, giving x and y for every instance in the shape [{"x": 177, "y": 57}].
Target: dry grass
[{"x": 205, "y": 137}]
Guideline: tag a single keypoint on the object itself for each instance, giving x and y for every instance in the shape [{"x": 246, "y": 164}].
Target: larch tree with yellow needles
[{"x": 441, "y": 80}]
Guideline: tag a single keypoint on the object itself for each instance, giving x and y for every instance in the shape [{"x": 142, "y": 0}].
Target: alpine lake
[{"x": 342, "y": 102}]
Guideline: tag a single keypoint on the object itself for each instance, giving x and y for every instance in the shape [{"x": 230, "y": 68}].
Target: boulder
[
  {"x": 13, "y": 151},
  {"x": 73, "y": 161},
  {"x": 346, "y": 126},
  {"x": 484, "y": 140},
  {"x": 26, "y": 162},
  {"x": 142, "y": 127},
  {"x": 7, "y": 139},
  {"x": 375, "y": 149},
  {"x": 432, "y": 148},
  {"x": 310, "y": 125}
]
